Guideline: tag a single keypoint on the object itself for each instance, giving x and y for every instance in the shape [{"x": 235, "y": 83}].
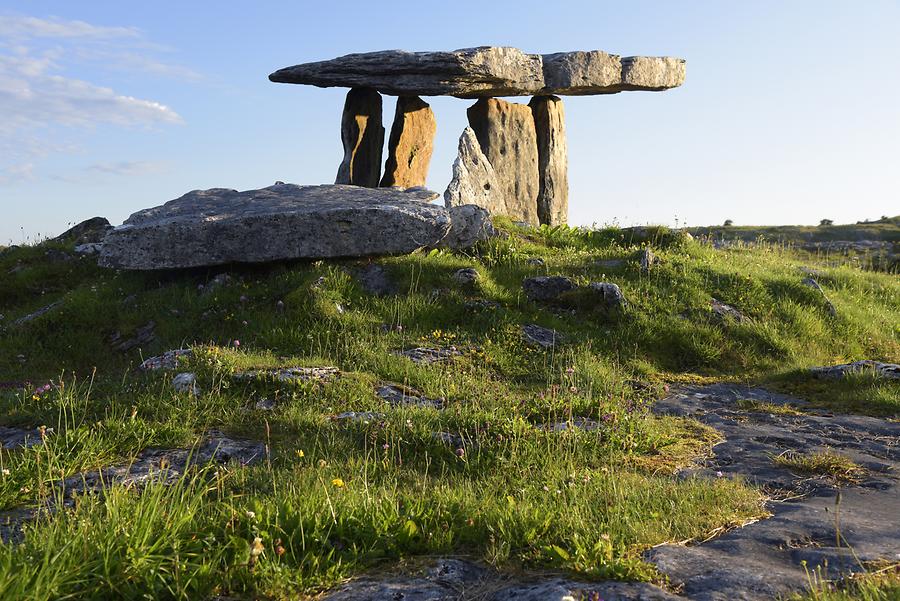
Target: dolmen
[{"x": 513, "y": 157}]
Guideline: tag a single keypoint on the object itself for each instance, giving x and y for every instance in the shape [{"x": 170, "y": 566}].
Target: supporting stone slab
[
  {"x": 506, "y": 134},
  {"x": 411, "y": 143},
  {"x": 362, "y": 135},
  {"x": 553, "y": 159}
]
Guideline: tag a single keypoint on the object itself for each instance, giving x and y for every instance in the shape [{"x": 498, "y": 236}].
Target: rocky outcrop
[
  {"x": 553, "y": 160},
  {"x": 411, "y": 144},
  {"x": 474, "y": 180},
  {"x": 285, "y": 221},
  {"x": 489, "y": 71},
  {"x": 506, "y": 134},
  {"x": 362, "y": 135}
]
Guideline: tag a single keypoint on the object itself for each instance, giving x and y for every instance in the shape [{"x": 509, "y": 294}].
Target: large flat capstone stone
[
  {"x": 489, "y": 71},
  {"x": 284, "y": 221}
]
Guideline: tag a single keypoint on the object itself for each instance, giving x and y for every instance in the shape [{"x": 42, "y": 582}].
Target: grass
[
  {"x": 821, "y": 463},
  {"x": 879, "y": 584},
  {"x": 334, "y": 498}
]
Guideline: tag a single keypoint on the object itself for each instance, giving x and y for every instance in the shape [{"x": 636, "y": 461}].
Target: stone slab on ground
[
  {"x": 451, "y": 579},
  {"x": 489, "y": 71},
  {"x": 284, "y": 221},
  {"x": 814, "y": 522}
]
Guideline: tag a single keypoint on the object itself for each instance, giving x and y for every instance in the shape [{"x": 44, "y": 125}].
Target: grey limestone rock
[
  {"x": 474, "y": 180},
  {"x": 506, "y": 134},
  {"x": 814, "y": 524},
  {"x": 889, "y": 371},
  {"x": 546, "y": 287},
  {"x": 285, "y": 221},
  {"x": 609, "y": 295},
  {"x": 489, "y": 71},
  {"x": 553, "y": 159},
  {"x": 540, "y": 336},
  {"x": 469, "y": 224},
  {"x": 465, "y": 73}
]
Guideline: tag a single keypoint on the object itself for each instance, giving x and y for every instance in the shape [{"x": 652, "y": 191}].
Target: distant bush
[{"x": 728, "y": 223}]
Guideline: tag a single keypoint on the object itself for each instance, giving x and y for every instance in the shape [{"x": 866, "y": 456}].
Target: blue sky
[{"x": 790, "y": 112}]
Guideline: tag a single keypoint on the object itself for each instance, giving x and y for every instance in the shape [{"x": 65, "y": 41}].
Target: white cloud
[
  {"x": 41, "y": 101},
  {"x": 17, "y": 27},
  {"x": 127, "y": 168}
]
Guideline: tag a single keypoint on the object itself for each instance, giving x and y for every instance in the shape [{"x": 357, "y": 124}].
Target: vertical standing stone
[
  {"x": 506, "y": 134},
  {"x": 550, "y": 126},
  {"x": 474, "y": 181},
  {"x": 410, "y": 144},
  {"x": 363, "y": 137}
]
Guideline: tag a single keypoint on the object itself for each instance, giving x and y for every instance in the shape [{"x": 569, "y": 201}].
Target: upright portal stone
[
  {"x": 410, "y": 144},
  {"x": 550, "y": 126},
  {"x": 363, "y": 137},
  {"x": 506, "y": 134},
  {"x": 474, "y": 181}
]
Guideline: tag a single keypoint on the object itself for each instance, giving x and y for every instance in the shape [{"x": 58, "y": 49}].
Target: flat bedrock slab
[
  {"x": 489, "y": 71},
  {"x": 765, "y": 559},
  {"x": 362, "y": 135},
  {"x": 507, "y": 137},
  {"x": 446, "y": 579},
  {"x": 411, "y": 144},
  {"x": 284, "y": 221}
]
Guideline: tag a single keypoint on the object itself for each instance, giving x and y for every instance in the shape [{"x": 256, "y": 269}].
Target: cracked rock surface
[
  {"x": 763, "y": 560},
  {"x": 812, "y": 521}
]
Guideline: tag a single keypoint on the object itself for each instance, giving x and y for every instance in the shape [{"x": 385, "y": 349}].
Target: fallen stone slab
[
  {"x": 489, "y": 71},
  {"x": 815, "y": 525},
  {"x": 283, "y": 221},
  {"x": 889, "y": 371}
]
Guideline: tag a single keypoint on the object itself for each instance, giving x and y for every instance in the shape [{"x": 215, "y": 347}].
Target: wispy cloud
[
  {"x": 127, "y": 168},
  {"x": 39, "y": 94}
]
